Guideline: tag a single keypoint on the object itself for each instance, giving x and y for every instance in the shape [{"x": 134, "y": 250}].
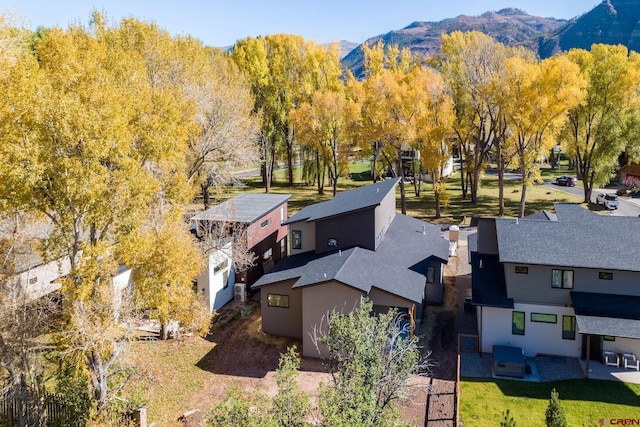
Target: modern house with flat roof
[
  {"x": 261, "y": 219},
  {"x": 564, "y": 284},
  {"x": 352, "y": 246}
]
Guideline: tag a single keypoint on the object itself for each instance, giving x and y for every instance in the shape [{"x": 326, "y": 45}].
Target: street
[{"x": 627, "y": 206}]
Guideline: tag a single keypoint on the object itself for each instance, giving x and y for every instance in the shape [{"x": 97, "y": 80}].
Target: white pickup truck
[{"x": 609, "y": 201}]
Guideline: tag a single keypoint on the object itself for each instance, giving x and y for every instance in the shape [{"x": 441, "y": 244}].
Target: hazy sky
[{"x": 221, "y": 23}]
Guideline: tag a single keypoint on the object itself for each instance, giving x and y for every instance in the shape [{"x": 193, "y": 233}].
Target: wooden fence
[{"x": 32, "y": 410}]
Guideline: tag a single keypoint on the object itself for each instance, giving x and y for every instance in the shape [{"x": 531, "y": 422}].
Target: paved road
[{"x": 627, "y": 206}]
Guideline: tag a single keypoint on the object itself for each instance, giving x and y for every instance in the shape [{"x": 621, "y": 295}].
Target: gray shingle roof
[
  {"x": 579, "y": 238},
  {"x": 607, "y": 314},
  {"x": 346, "y": 201},
  {"x": 246, "y": 208},
  {"x": 398, "y": 266}
]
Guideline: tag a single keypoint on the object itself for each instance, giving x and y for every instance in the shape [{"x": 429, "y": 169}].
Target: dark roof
[
  {"x": 347, "y": 201},
  {"x": 246, "y": 208},
  {"x": 583, "y": 239},
  {"x": 607, "y": 314},
  {"x": 543, "y": 215},
  {"x": 398, "y": 266},
  {"x": 487, "y": 282}
]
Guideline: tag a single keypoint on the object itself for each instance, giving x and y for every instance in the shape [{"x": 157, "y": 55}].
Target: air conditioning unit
[{"x": 239, "y": 292}]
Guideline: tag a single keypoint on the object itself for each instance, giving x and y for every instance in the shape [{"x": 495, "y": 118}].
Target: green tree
[
  {"x": 370, "y": 362},
  {"x": 289, "y": 407},
  {"x": 554, "y": 415}
]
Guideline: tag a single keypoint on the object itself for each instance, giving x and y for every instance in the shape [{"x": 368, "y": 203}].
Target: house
[
  {"x": 260, "y": 218},
  {"x": 349, "y": 247},
  {"x": 563, "y": 284}
]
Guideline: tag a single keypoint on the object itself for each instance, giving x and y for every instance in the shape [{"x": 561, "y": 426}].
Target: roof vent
[
  {"x": 377, "y": 190},
  {"x": 340, "y": 252},
  {"x": 424, "y": 229},
  {"x": 325, "y": 275}
]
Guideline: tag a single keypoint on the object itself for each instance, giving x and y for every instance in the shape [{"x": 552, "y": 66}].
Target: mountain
[
  {"x": 509, "y": 26},
  {"x": 610, "y": 22}
]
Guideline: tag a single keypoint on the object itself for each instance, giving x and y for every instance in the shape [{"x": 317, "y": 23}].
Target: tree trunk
[
  {"x": 523, "y": 198},
  {"x": 403, "y": 199},
  {"x": 205, "y": 195},
  {"x": 436, "y": 193},
  {"x": 319, "y": 178},
  {"x": 501, "y": 168},
  {"x": 289, "y": 138},
  {"x": 164, "y": 332}
]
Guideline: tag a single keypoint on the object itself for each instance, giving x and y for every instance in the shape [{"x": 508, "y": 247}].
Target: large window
[
  {"x": 296, "y": 239},
  {"x": 605, "y": 275},
  {"x": 221, "y": 266},
  {"x": 522, "y": 270},
  {"x": 517, "y": 325},
  {"x": 562, "y": 279},
  {"x": 568, "y": 327},
  {"x": 225, "y": 279},
  {"x": 265, "y": 223},
  {"x": 431, "y": 274},
  {"x": 275, "y": 300},
  {"x": 544, "y": 318}
]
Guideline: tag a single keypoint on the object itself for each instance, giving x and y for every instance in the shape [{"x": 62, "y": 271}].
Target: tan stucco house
[{"x": 344, "y": 249}]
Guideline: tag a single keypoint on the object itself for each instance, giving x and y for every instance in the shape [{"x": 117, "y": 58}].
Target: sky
[{"x": 221, "y": 23}]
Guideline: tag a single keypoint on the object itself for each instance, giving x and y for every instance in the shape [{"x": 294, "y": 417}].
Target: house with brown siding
[
  {"x": 262, "y": 218},
  {"x": 352, "y": 246}
]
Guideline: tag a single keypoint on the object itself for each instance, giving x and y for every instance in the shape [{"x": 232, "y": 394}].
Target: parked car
[
  {"x": 566, "y": 181},
  {"x": 609, "y": 201}
]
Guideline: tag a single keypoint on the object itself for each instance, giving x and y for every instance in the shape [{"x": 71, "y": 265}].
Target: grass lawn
[
  {"x": 170, "y": 376},
  {"x": 483, "y": 401},
  {"x": 454, "y": 208}
]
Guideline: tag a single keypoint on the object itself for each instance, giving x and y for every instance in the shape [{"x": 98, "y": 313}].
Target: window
[
  {"x": 265, "y": 223},
  {"x": 562, "y": 279},
  {"x": 605, "y": 275},
  {"x": 522, "y": 270},
  {"x": 33, "y": 280},
  {"x": 222, "y": 266},
  {"x": 431, "y": 274},
  {"x": 544, "y": 318},
  {"x": 275, "y": 300},
  {"x": 225, "y": 279},
  {"x": 568, "y": 328},
  {"x": 296, "y": 239},
  {"x": 332, "y": 243},
  {"x": 267, "y": 254},
  {"x": 608, "y": 338},
  {"x": 281, "y": 214},
  {"x": 517, "y": 323}
]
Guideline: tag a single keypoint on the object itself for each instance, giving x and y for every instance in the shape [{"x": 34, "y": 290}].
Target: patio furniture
[
  {"x": 631, "y": 361},
  {"x": 609, "y": 358}
]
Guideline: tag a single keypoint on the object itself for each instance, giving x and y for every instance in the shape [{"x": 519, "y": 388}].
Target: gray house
[
  {"x": 352, "y": 246},
  {"x": 564, "y": 284}
]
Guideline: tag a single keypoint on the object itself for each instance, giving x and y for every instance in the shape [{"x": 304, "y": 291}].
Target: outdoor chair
[
  {"x": 609, "y": 358},
  {"x": 631, "y": 361}
]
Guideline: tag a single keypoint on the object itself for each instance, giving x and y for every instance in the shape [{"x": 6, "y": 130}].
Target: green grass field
[
  {"x": 454, "y": 208},
  {"x": 483, "y": 402}
]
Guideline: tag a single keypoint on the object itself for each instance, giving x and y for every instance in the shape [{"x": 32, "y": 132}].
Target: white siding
[
  {"x": 41, "y": 280},
  {"x": 538, "y": 338},
  {"x": 210, "y": 283}
]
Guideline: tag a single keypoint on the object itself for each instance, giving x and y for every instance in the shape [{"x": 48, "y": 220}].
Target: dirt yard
[{"x": 244, "y": 356}]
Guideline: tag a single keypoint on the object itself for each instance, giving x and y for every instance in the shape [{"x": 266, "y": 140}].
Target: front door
[{"x": 595, "y": 347}]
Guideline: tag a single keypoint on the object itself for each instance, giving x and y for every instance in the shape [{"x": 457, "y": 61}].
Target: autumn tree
[
  {"x": 322, "y": 129},
  {"x": 386, "y": 113},
  {"x": 535, "y": 98},
  {"x": 284, "y": 71},
  {"x": 472, "y": 61},
  {"x": 165, "y": 259},
  {"x": 96, "y": 143},
  {"x": 433, "y": 123},
  {"x": 595, "y": 131}
]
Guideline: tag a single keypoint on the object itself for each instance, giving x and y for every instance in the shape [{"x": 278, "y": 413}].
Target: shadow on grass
[{"x": 613, "y": 392}]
